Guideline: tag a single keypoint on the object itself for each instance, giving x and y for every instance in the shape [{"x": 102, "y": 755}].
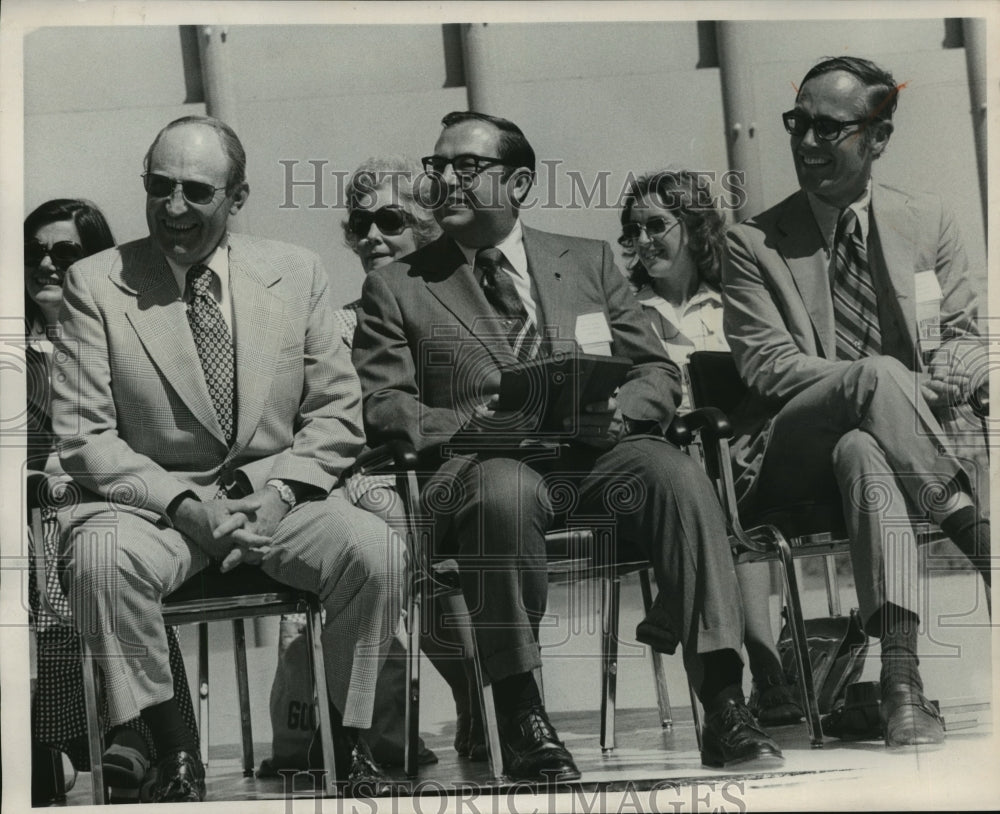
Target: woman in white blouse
[{"x": 672, "y": 236}]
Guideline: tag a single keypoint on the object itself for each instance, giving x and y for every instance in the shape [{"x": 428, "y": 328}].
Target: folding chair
[{"x": 783, "y": 534}]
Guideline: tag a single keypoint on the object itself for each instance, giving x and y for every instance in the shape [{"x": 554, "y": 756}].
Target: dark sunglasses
[
  {"x": 798, "y": 124},
  {"x": 654, "y": 228},
  {"x": 63, "y": 254},
  {"x": 196, "y": 192},
  {"x": 390, "y": 220}
]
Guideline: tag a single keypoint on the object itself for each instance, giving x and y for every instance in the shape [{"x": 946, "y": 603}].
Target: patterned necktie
[
  {"x": 502, "y": 295},
  {"x": 214, "y": 344},
  {"x": 855, "y": 305}
]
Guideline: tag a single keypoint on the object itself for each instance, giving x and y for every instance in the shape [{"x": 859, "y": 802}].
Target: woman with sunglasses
[
  {"x": 673, "y": 238},
  {"x": 57, "y": 234}
]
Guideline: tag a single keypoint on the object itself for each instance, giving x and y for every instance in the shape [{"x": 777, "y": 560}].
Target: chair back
[{"x": 715, "y": 381}]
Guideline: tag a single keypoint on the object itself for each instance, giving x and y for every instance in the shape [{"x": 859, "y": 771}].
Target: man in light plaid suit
[{"x": 210, "y": 421}]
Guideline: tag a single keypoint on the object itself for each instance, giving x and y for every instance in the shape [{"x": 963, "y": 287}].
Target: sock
[
  {"x": 972, "y": 536},
  {"x": 723, "y": 677},
  {"x": 900, "y": 664},
  {"x": 170, "y": 732},
  {"x": 516, "y": 692}
]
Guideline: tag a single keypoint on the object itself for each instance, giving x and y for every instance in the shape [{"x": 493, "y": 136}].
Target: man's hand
[
  {"x": 251, "y": 524},
  {"x": 599, "y": 424},
  {"x": 938, "y": 391},
  {"x": 199, "y": 521}
]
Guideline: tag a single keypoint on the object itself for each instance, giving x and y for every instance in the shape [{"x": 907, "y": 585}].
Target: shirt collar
[
  {"x": 827, "y": 215},
  {"x": 217, "y": 261},
  {"x": 512, "y": 247},
  {"x": 704, "y": 294}
]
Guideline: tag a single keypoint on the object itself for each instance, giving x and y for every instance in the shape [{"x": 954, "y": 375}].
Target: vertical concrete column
[
  {"x": 482, "y": 73},
  {"x": 974, "y": 31},
  {"x": 216, "y": 78},
  {"x": 739, "y": 107}
]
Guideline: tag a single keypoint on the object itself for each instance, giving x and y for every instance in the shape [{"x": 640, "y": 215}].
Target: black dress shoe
[
  {"x": 908, "y": 718},
  {"x": 532, "y": 751},
  {"x": 180, "y": 778},
  {"x": 358, "y": 775},
  {"x": 732, "y": 736}
]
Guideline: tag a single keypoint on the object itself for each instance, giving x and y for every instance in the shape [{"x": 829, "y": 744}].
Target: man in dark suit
[
  {"x": 207, "y": 407},
  {"x": 435, "y": 330},
  {"x": 850, "y": 316}
]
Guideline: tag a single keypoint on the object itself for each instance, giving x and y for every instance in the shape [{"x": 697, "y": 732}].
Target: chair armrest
[
  {"x": 711, "y": 422},
  {"x": 392, "y": 456},
  {"x": 679, "y": 431}
]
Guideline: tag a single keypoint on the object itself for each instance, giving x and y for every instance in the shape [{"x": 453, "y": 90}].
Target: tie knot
[
  {"x": 847, "y": 224},
  {"x": 199, "y": 278},
  {"x": 489, "y": 259}
]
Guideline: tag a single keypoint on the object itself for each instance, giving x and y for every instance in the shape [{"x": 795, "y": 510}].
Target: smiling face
[
  {"x": 485, "y": 213},
  {"x": 837, "y": 171},
  {"x": 187, "y": 232},
  {"x": 375, "y": 248},
  {"x": 44, "y": 282}
]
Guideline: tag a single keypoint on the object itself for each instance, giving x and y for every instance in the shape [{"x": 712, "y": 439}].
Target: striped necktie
[
  {"x": 855, "y": 304},
  {"x": 214, "y": 345},
  {"x": 502, "y": 295}
]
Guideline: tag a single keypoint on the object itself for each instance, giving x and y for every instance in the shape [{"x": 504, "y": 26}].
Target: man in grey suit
[
  {"x": 850, "y": 316},
  {"x": 435, "y": 330},
  {"x": 207, "y": 409}
]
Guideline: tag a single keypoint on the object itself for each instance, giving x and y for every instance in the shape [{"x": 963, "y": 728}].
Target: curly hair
[
  {"x": 404, "y": 174},
  {"x": 688, "y": 197}
]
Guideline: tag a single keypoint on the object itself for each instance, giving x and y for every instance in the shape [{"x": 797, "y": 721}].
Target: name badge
[
  {"x": 593, "y": 334},
  {"x": 928, "y": 309}
]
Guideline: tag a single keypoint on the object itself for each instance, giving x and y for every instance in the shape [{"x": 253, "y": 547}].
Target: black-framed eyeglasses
[
  {"x": 162, "y": 186},
  {"x": 654, "y": 228},
  {"x": 63, "y": 254},
  {"x": 391, "y": 220},
  {"x": 798, "y": 124},
  {"x": 465, "y": 165}
]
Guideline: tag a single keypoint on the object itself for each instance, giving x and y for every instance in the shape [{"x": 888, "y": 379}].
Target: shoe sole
[{"x": 767, "y": 759}]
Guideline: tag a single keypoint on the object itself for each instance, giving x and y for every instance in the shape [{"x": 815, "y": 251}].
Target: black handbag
[{"x": 837, "y": 649}]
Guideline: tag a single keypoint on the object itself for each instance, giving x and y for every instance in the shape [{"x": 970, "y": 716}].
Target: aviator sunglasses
[
  {"x": 195, "y": 192},
  {"x": 654, "y": 228},
  {"x": 391, "y": 221},
  {"x": 63, "y": 254}
]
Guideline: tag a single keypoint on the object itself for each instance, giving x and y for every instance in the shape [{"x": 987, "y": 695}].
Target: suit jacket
[
  {"x": 132, "y": 409},
  {"x": 778, "y": 305},
  {"x": 427, "y": 350}
]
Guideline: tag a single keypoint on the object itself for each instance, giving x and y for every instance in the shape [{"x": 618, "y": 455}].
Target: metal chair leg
[
  {"x": 412, "y": 702},
  {"x": 203, "y": 691},
  {"x": 314, "y": 627},
  {"x": 610, "y": 606},
  {"x": 243, "y": 690},
  {"x": 95, "y": 739},
  {"x": 696, "y": 714},
  {"x": 799, "y": 642},
  {"x": 656, "y": 660},
  {"x": 832, "y": 585}
]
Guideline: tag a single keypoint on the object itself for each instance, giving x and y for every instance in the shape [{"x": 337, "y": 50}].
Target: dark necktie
[
  {"x": 502, "y": 295},
  {"x": 214, "y": 344},
  {"x": 855, "y": 305}
]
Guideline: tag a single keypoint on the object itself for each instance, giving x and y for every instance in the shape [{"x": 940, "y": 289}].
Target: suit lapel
[
  {"x": 258, "y": 320},
  {"x": 551, "y": 271},
  {"x": 893, "y": 221},
  {"x": 452, "y": 282},
  {"x": 801, "y": 246},
  {"x": 155, "y": 316}
]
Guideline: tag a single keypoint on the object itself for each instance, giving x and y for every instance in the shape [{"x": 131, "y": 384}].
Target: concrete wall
[{"x": 597, "y": 99}]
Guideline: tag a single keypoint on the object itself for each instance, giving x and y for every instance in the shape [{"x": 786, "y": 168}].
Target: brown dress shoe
[
  {"x": 532, "y": 750},
  {"x": 180, "y": 778},
  {"x": 908, "y": 718}
]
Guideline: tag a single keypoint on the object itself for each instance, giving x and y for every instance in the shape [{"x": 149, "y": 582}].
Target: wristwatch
[{"x": 285, "y": 491}]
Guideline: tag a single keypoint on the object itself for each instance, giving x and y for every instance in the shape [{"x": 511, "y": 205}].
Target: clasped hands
[
  {"x": 598, "y": 424},
  {"x": 233, "y": 531}
]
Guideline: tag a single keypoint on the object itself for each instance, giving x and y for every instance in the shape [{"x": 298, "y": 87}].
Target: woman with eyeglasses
[
  {"x": 57, "y": 234},
  {"x": 673, "y": 239}
]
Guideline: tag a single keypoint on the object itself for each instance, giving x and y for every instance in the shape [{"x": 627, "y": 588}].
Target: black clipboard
[{"x": 555, "y": 387}]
